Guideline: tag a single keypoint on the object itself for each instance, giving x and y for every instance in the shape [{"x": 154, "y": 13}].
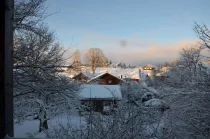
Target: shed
[{"x": 98, "y": 96}]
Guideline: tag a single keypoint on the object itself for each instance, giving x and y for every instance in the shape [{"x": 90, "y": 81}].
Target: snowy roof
[
  {"x": 161, "y": 74},
  {"x": 98, "y": 76},
  {"x": 100, "y": 91},
  {"x": 117, "y": 72},
  {"x": 87, "y": 74},
  {"x": 165, "y": 69},
  {"x": 150, "y": 65},
  {"x": 72, "y": 76}
]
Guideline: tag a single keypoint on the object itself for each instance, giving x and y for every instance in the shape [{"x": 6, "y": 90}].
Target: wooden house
[
  {"x": 105, "y": 79},
  {"x": 122, "y": 73},
  {"x": 95, "y": 97}
]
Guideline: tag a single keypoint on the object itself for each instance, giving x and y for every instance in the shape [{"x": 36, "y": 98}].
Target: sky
[{"x": 132, "y": 31}]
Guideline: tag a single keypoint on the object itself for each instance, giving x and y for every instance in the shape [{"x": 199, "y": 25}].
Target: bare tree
[
  {"x": 203, "y": 34},
  {"x": 105, "y": 62},
  {"x": 29, "y": 14},
  {"x": 38, "y": 88},
  {"x": 190, "y": 58},
  {"x": 95, "y": 58},
  {"x": 77, "y": 61},
  {"x": 187, "y": 70}
]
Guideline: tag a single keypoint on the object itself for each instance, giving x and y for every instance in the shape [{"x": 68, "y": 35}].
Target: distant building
[
  {"x": 149, "y": 67},
  {"x": 147, "y": 71}
]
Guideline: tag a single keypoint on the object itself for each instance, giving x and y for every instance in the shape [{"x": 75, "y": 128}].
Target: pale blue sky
[{"x": 156, "y": 21}]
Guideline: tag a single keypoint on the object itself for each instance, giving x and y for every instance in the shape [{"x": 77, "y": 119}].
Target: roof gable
[
  {"x": 86, "y": 74},
  {"x": 132, "y": 73},
  {"x": 80, "y": 74},
  {"x": 103, "y": 75}
]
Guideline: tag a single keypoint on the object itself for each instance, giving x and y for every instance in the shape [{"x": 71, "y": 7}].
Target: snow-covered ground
[{"x": 32, "y": 127}]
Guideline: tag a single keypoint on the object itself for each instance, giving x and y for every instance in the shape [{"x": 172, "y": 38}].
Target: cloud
[
  {"x": 154, "y": 54},
  {"x": 134, "y": 50}
]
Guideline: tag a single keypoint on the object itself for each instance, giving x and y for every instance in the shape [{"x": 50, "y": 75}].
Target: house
[
  {"x": 83, "y": 76},
  {"x": 105, "y": 79},
  {"x": 149, "y": 67},
  {"x": 122, "y": 73},
  {"x": 98, "y": 96},
  {"x": 147, "y": 71}
]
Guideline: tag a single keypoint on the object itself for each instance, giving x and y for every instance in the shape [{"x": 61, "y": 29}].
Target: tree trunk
[
  {"x": 43, "y": 125},
  {"x": 93, "y": 69}
]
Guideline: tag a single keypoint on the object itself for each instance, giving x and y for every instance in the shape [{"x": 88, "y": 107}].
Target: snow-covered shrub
[
  {"x": 132, "y": 90},
  {"x": 127, "y": 122},
  {"x": 188, "y": 116}
]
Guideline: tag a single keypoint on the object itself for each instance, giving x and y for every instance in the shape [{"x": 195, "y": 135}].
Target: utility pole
[{"x": 6, "y": 67}]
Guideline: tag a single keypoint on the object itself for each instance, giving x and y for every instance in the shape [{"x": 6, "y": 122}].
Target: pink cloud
[
  {"x": 154, "y": 54},
  {"x": 135, "y": 50}
]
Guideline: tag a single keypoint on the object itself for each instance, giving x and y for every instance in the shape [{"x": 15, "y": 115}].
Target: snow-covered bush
[
  {"x": 127, "y": 122},
  {"x": 188, "y": 116},
  {"x": 132, "y": 90}
]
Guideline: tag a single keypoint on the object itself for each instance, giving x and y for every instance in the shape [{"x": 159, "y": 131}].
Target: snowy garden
[{"x": 118, "y": 102}]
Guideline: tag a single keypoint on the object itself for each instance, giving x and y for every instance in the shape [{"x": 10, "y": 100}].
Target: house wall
[
  {"x": 98, "y": 104},
  {"x": 137, "y": 80},
  {"x": 109, "y": 80}
]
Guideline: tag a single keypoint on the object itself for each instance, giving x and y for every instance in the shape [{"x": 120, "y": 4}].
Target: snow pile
[
  {"x": 151, "y": 98},
  {"x": 154, "y": 103},
  {"x": 100, "y": 91}
]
